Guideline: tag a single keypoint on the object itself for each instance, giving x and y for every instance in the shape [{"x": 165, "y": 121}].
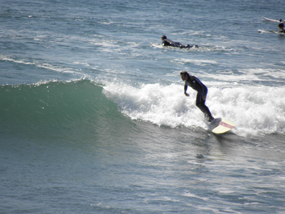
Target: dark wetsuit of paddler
[
  {"x": 168, "y": 42},
  {"x": 202, "y": 90},
  {"x": 281, "y": 27}
]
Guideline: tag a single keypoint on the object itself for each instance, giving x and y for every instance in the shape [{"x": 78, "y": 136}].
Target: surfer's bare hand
[{"x": 187, "y": 95}]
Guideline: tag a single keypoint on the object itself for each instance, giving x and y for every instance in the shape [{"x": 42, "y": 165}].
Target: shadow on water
[
  {"x": 257, "y": 147},
  {"x": 226, "y": 137}
]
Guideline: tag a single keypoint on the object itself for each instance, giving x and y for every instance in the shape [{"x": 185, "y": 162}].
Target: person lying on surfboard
[
  {"x": 168, "y": 42},
  {"x": 281, "y": 28},
  {"x": 202, "y": 90}
]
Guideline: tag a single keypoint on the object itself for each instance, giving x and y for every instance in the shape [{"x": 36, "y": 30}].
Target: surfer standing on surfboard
[
  {"x": 168, "y": 42},
  {"x": 202, "y": 90}
]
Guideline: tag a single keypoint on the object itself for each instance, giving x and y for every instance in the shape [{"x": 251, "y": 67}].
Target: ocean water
[{"x": 93, "y": 118}]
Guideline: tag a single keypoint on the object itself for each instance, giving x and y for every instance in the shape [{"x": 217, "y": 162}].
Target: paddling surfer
[
  {"x": 168, "y": 42},
  {"x": 202, "y": 90}
]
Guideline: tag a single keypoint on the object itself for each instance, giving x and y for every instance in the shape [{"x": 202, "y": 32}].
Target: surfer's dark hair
[
  {"x": 163, "y": 37},
  {"x": 281, "y": 25},
  {"x": 184, "y": 73}
]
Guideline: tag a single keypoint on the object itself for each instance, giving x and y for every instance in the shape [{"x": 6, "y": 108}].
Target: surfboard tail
[{"x": 220, "y": 126}]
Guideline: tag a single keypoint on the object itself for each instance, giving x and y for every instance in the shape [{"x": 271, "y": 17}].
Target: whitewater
[{"x": 93, "y": 116}]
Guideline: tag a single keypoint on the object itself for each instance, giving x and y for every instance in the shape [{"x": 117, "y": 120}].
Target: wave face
[
  {"x": 56, "y": 108},
  {"x": 82, "y": 105}
]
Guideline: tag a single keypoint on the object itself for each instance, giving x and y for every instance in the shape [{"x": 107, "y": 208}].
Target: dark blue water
[{"x": 93, "y": 118}]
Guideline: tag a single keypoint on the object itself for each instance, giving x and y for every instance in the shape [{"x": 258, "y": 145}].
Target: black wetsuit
[
  {"x": 202, "y": 90},
  {"x": 168, "y": 42}
]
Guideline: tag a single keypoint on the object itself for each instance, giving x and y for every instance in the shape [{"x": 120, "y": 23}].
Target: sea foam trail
[{"x": 254, "y": 110}]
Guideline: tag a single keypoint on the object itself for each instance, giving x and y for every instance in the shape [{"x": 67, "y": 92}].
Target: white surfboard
[
  {"x": 162, "y": 46},
  {"x": 274, "y": 20},
  {"x": 265, "y": 31},
  {"x": 220, "y": 126},
  {"x": 156, "y": 45}
]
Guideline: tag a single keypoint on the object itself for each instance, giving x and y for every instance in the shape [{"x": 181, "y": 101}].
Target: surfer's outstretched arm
[{"x": 185, "y": 89}]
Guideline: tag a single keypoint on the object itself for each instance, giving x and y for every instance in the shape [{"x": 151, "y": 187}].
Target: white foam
[
  {"x": 254, "y": 110},
  {"x": 40, "y": 65},
  {"x": 188, "y": 194},
  {"x": 250, "y": 76},
  {"x": 195, "y": 61},
  {"x": 82, "y": 63}
]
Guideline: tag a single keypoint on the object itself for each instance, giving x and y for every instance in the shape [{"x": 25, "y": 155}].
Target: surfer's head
[
  {"x": 163, "y": 37},
  {"x": 184, "y": 75},
  {"x": 281, "y": 26}
]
